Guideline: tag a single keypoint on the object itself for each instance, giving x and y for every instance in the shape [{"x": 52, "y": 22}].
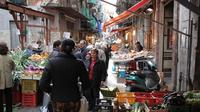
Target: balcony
[
  {"x": 18, "y": 2},
  {"x": 65, "y": 3},
  {"x": 70, "y": 8}
]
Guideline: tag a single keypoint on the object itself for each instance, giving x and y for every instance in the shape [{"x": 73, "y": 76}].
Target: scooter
[{"x": 145, "y": 79}]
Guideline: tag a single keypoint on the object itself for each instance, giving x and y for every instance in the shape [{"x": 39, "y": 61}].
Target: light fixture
[
  {"x": 150, "y": 10},
  {"x": 134, "y": 32}
]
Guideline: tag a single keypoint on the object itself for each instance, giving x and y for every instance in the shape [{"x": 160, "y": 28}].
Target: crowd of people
[{"x": 69, "y": 64}]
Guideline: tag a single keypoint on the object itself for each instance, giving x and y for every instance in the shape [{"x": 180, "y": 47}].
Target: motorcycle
[{"x": 144, "y": 78}]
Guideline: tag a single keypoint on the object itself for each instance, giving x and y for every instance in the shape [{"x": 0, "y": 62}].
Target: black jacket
[
  {"x": 63, "y": 71},
  {"x": 100, "y": 73}
]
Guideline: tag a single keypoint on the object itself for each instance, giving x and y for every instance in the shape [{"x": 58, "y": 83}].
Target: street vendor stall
[{"x": 28, "y": 73}]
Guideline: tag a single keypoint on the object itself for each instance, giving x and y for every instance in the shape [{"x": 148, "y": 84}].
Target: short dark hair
[
  {"x": 95, "y": 50},
  {"x": 3, "y": 48},
  {"x": 57, "y": 43},
  {"x": 67, "y": 46}
]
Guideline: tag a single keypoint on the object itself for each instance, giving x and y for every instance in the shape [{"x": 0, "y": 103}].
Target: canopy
[{"x": 125, "y": 15}]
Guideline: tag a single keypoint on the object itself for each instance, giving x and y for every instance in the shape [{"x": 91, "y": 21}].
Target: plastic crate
[
  {"x": 159, "y": 94},
  {"x": 29, "y": 86},
  {"x": 148, "y": 100},
  {"x": 142, "y": 94},
  {"x": 103, "y": 108},
  {"x": 104, "y": 102},
  {"x": 125, "y": 97},
  {"x": 106, "y": 92},
  {"x": 29, "y": 100}
]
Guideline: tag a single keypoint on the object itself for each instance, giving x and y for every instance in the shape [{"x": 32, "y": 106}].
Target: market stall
[{"x": 27, "y": 75}]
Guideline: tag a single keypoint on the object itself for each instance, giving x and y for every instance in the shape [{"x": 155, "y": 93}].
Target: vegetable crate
[
  {"x": 151, "y": 99},
  {"x": 29, "y": 86},
  {"x": 148, "y": 100},
  {"x": 106, "y": 92},
  {"x": 29, "y": 100},
  {"x": 103, "y": 105},
  {"x": 125, "y": 97}
]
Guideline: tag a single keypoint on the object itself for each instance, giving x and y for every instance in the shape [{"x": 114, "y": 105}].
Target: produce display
[
  {"x": 28, "y": 67},
  {"x": 122, "y": 55},
  {"x": 192, "y": 97}
]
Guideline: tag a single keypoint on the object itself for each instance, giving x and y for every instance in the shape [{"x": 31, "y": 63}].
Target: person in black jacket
[
  {"x": 97, "y": 77},
  {"x": 64, "y": 72}
]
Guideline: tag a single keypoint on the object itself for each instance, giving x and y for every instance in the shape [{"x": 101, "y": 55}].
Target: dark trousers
[
  {"x": 8, "y": 97},
  {"x": 91, "y": 95}
]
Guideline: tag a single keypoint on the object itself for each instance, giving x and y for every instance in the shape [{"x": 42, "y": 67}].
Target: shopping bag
[{"x": 84, "y": 105}]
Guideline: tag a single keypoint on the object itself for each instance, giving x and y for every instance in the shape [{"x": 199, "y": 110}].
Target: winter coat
[
  {"x": 54, "y": 52},
  {"x": 63, "y": 71},
  {"x": 100, "y": 73},
  {"x": 6, "y": 67}
]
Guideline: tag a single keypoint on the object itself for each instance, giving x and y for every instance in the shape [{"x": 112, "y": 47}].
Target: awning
[
  {"x": 121, "y": 29},
  {"x": 67, "y": 10},
  {"x": 126, "y": 14},
  {"x": 27, "y": 11}
]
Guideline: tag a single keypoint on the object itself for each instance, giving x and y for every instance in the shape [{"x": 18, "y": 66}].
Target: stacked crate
[
  {"x": 103, "y": 105},
  {"x": 29, "y": 92},
  {"x": 123, "y": 97}
]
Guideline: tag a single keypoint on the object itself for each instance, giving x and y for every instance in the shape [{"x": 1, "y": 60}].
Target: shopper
[
  {"x": 83, "y": 48},
  {"x": 56, "y": 49},
  {"x": 63, "y": 71},
  {"x": 97, "y": 76},
  {"x": 138, "y": 46},
  {"x": 47, "y": 104},
  {"x": 6, "y": 67}
]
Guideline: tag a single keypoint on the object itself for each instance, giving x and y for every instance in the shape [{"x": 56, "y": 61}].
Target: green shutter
[
  {"x": 92, "y": 1},
  {"x": 93, "y": 22},
  {"x": 85, "y": 12}
]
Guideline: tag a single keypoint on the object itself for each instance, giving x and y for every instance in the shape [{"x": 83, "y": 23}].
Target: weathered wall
[
  {"x": 185, "y": 17},
  {"x": 167, "y": 48},
  {"x": 158, "y": 33},
  {"x": 5, "y": 18}
]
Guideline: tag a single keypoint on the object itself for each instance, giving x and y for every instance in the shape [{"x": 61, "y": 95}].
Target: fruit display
[
  {"x": 29, "y": 67},
  {"x": 36, "y": 57}
]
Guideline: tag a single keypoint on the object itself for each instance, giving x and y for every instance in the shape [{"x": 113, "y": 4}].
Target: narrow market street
[{"x": 100, "y": 55}]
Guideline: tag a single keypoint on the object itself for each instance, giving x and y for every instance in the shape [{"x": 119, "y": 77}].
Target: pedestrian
[
  {"x": 64, "y": 71},
  {"x": 47, "y": 104},
  {"x": 28, "y": 51},
  {"x": 56, "y": 48},
  {"x": 6, "y": 67},
  {"x": 83, "y": 48},
  {"x": 97, "y": 77},
  {"x": 138, "y": 46}
]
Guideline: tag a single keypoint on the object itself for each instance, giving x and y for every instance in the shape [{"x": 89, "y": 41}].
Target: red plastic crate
[
  {"x": 148, "y": 100},
  {"x": 142, "y": 94},
  {"x": 159, "y": 94},
  {"x": 29, "y": 100}
]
